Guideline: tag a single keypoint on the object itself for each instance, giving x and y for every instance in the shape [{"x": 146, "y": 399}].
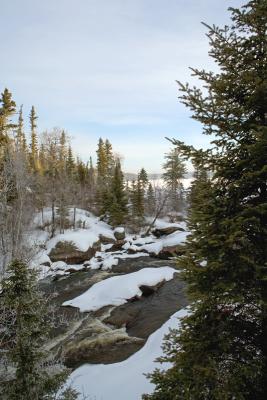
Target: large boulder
[
  {"x": 68, "y": 252},
  {"x": 158, "y": 232},
  {"x": 106, "y": 240},
  {"x": 168, "y": 252},
  {"x": 119, "y": 233}
]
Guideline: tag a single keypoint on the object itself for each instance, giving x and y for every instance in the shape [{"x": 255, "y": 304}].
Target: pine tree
[
  {"x": 118, "y": 200},
  {"x": 221, "y": 350},
  {"x": 109, "y": 159},
  {"x": 143, "y": 178},
  {"x": 102, "y": 163},
  {"x": 20, "y": 137},
  {"x": 150, "y": 200},
  {"x": 34, "y": 141},
  {"x": 25, "y": 328},
  {"x": 7, "y": 110},
  {"x": 70, "y": 163},
  {"x": 138, "y": 202},
  {"x": 62, "y": 151},
  {"x": 174, "y": 173}
]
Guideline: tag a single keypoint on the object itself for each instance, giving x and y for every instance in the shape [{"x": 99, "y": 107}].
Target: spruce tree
[
  {"x": 220, "y": 352},
  {"x": 24, "y": 329},
  {"x": 138, "y": 202},
  {"x": 20, "y": 137},
  {"x": 34, "y": 141},
  {"x": 143, "y": 177},
  {"x": 70, "y": 163},
  {"x": 7, "y": 110},
  {"x": 118, "y": 200},
  {"x": 174, "y": 173},
  {"x": 150, "y": 200},
  {"x": 109, "y": 158},
  {"x": 102, "y": 162}
]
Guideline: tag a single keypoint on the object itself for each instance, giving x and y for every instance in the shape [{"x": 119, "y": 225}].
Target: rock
[
  {"x": 106, "y": 240},
  {"x": 68, "y": 252},
  {"x": 170, "y": 251},
  {"x": 158, "y": 232},
  {"x": 117, "y": 246},
  {"x": 46, "y": 263},
  {"x": 119, "y": 233}
]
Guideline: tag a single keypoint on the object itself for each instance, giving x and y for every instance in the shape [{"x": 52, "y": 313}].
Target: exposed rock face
[
  {"x": 166, "y": 231},
  {"x": 97, "y": 343},
  {"x": 67, "y": 252},
  {"x": 119, "y": 233},
  {"x": 106, "y": 240}
]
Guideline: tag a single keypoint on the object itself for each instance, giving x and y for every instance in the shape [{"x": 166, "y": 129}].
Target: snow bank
[
  {"x": 157, "y": 245},
  {"x": 116, "y": 290},
  {"x": 124, "y": 380}
]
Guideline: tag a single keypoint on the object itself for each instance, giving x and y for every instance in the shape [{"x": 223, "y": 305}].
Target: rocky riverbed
[{"x": 110, "y": 334}]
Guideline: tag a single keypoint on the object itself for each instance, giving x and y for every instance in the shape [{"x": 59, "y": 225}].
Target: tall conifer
[{"x": 221, "y": 351}]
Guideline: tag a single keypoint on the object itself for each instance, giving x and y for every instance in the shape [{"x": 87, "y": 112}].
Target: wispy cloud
[{"x": 108, "y": 67}]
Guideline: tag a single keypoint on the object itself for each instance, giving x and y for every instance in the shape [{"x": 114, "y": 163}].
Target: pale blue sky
[{"x": 108, "y": 68}]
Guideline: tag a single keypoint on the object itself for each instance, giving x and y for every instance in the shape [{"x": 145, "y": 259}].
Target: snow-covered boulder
[
  {"x": 58, "y": 265},
  {"x": 106, "y": 239},
  {"x": 158, "y": 232},
  {"x": 68, "y": 252},
  {"x": 119, "y": 233}
]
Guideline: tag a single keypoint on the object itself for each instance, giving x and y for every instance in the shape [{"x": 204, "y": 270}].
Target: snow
[
  {"x": 58, "y": 265},
  {"x": 156, "y": 245},
  {"x": 124, "y": 380},
  {"x": 82, "y": 238},
  {"x": 119, "y": 229},
  {"x": 86, "y": 237},
  {"x": 118, "y": 289}
]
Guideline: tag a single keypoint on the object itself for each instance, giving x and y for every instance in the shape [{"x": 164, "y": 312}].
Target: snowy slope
[{"x": 124, "y": 380}]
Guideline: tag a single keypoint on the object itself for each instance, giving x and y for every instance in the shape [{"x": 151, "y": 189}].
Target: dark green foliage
[
  {"x": 7, "y": 110},
  {"x": 143, "y": 178},
  {"x": 221, "y": 352},
  {"x": 150, "y": 202},
  {"x": 70, "y": 163},
  {"x": 118, "y": 201},
  {"x": 34, "y": 141},
  {"x": 138, "y": 201},
  {"x": 24, "y": 328},
  {"x": 174, "y": 173}
]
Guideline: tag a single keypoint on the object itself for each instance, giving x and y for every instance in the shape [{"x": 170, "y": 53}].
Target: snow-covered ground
[
  {"x": 124, "y": 380},
  {"x": 118, "y": 289},
  {"x": 84, "y": 238}
]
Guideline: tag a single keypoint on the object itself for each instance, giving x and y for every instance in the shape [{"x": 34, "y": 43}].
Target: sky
[{"x": 108, "y": 68}]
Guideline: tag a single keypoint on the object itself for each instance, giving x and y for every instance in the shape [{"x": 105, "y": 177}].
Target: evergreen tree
[
  {"x": 62, "y": 151},
  {"x": 102, "y": 163},
  {"x": 174, "y": 172},
  {"x": 34, "y": 140},
  {"x": 70, "y": 163},
  {"x": 138, "y": 202},
  {"x": 150, "y": 200},
  {"x": 221, "y": 350},
  {"x": 109, "y": 158},
  {"x": 118, "y": 205},
  {"x": 143, "y": 178},
  {"x": 25, "y": 329},
  {"x": 7, "y": 110},
  {"x": 20, "y": 137}
]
